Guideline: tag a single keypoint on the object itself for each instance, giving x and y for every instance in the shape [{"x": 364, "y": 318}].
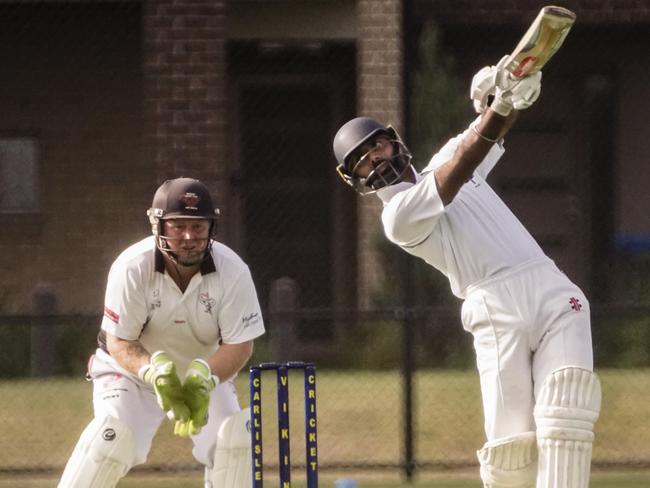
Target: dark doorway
[{"x": 289, "y": 102}]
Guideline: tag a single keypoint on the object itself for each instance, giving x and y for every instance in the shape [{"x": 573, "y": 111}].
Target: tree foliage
[{"x": 439, "y": 98}]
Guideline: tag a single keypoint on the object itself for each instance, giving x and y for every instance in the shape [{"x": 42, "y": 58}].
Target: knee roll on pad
[
  {"x": 565, "y": 412},
  {"x": 102, "y": 456},
  {"x": 509, "y": 462},
  {"x": 232, "y": 456}
]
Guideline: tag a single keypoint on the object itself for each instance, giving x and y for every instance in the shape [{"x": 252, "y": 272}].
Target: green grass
[
  {"x": 463, "y": 479},
  {"x": 359, "y": 415}
]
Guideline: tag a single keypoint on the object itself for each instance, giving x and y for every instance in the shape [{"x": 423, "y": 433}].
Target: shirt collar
[
  {"x": 159, "y": 260},
  {"x": 388, "y": 192},
  {"x": 207, "y": 266}
]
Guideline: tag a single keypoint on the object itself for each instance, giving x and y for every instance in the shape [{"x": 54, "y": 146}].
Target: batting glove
[
  {"x": 495, "y": 82},
  {"x": 161, "y": 374},
  {"x": 526, "y": 91},
  {"x": 482, "y": 88},
  {"x": 199, "y": 382}
]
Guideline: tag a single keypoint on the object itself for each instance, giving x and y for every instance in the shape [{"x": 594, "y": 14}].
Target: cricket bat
[{"x": 541, "y": 41}]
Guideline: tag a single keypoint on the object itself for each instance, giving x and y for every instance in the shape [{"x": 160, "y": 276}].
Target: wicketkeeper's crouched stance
[
  {"x": 191, "y": 302},
  {"x": 109, "y": 446}
]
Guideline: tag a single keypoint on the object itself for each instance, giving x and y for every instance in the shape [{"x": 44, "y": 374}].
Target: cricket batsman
[
  {"x": 530, "y": 323},
  {"x": 180, "y": 317}
]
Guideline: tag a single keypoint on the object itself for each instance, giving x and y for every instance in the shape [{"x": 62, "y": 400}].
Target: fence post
[
  {"x": 45, "y": 305},
  {"x": 408, "y": 362},
  {"x": 409, "y": 461},
  {"x": 284, "y": 304}
]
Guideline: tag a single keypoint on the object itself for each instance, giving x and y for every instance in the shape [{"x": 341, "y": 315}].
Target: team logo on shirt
[
  {"x": 251, "y": 319},
  {"x": 155, "y": 303},
  {"x": 113, "y": 316},
  {"x": 207, "y": 302},
  {"x": 575, "y": 304}
]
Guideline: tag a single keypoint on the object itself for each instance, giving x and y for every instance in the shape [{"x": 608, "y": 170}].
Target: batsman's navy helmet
[{"x": 354, "y": 134}]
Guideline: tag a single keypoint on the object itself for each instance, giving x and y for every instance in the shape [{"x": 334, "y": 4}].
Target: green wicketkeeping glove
[
  {"x": 199, "y": 382},
  {"x": 161, "y": 373}
]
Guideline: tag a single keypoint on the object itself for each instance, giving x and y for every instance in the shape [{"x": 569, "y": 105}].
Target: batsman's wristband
[{"x": 487, "y": 139}]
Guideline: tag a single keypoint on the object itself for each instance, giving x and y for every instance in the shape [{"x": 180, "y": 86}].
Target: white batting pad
[
  {"x": 509, "y": 462},
  {"x": 103, "y": 455},
  {"x": 232, "y": 457},
  {"x": 566, "y": 411}
]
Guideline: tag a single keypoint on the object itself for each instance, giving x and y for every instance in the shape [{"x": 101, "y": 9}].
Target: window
[{"x": 18, "y": 175}]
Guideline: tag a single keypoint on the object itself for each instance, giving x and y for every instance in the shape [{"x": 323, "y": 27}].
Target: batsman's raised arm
[
  {"x": 409, "y": 216},
  {"x": 497, "y": 96},
  {"x": 471, "y": 152}
]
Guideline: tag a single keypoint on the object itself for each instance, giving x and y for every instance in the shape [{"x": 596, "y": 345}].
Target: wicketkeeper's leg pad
[
  {"x": 509, "y": 462},
  {"x": 103, "y": 455},
  {"x": 232, "y": 457},
  {"x": 565, "y": 412}
]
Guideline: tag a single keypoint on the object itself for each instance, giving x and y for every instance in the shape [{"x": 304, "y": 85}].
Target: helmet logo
[{"x": 190, "y": 200}]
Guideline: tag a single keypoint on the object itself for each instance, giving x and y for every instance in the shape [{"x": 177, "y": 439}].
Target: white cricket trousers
[
  {"x": 526, "y": 322},
  {"x": 135, "y": 404}
]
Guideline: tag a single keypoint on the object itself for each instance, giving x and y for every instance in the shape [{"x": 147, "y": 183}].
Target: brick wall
[
  {"x": 184, "y": 75},
  {"x": 72, "y": 82},
  {"x": 380, "y": 95}
]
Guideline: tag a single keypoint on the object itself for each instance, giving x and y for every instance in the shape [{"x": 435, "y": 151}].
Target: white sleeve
[
  {"x": 125, "y": 309},
  {"x": 410, "y": 215},
  {"x": 240, "y": 316}
]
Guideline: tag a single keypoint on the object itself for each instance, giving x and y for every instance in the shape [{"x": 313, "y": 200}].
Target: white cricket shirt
[
  {"x": 470, "y": 240},
  {"x": 143, "y": 302}
]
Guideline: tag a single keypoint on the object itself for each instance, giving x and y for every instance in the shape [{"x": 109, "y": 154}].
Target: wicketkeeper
[
  {"x": 180, "y": 316},
  {"x": 530, "y": 323}
]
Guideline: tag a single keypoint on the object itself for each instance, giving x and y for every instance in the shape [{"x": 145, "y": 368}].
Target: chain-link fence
[{"x": 396, "y": 390}]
